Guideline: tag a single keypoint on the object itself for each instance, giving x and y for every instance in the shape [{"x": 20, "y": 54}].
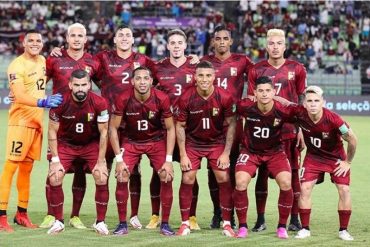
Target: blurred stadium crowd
[{"x": 319, "y": 33}]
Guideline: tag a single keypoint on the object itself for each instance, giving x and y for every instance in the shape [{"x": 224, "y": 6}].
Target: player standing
[
  {"x": 59, "y": 69},
  {"x": 289, "y": 78},
  {"x": 142, "y": 109},
  {"x": 203, "y": 110},
  {"x": 27, "y": 82},
  {"x": 231, "y": 72},
  {"x": 78, "y": 136},
  {"x": 262, "y": 145}
]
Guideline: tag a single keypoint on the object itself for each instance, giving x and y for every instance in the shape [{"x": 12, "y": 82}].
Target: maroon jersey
[
  {"x": 174, "y": 80},
  {"x": 323, "y": 139},
  {"x": 78, "y": 121},
  {"x": 262, "y": 132},
  {"x": 230, "y": 74},
  {"x": 59, "y": 69},
  {"x": 205, "y": 117},
  {"x": 289, "y": 81},
  {"x": 143, "y": 120},
  {"x": 116, "y": 72}
]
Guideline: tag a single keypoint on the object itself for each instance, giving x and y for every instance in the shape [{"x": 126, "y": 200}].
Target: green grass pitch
[{"x": 324, "y": 219}]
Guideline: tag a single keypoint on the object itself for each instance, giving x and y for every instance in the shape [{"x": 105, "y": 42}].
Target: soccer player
[
  {"x": 174, "y": 75},
  {"x": 203, "y": 110},
  {"x": 77, "y": 135},
  {"x": 27, "y": 81},
  {"x": 142, "y": 110},
  {"x": 59, "y": 69},
  {"x": 323, "y": 131},
  {"x": 289, "y": 78},
  {"x": 261, "y": 145},
  {"x": 231, "y": 72}
]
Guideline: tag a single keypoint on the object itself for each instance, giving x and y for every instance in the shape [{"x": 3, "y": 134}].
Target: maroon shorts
[
  {"x": 314, "y": 169},
  {"x": 211, "y": 154},
  {"x": 85, "y": 156},
  {"x": 156, "y": 152},
  {"x": 249, "y": 162},
  {"x": 292, "y": 152}
]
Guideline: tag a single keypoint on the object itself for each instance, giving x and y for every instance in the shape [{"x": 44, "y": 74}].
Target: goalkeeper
[{"x": 27, "y": 80}]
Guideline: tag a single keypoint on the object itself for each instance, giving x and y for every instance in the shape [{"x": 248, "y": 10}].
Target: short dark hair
[
  {"x": 264, "y": 80},
  {"x": 142, "y": 68},
  {"x": 32, "y": 31},
  {"x": 79, "y": 74},
  {"x": 176, "y": 31},
  {"x": 123, "y": 26},
  {"x": 220, "y": 28},
  {"x": 204, "y": 65}
]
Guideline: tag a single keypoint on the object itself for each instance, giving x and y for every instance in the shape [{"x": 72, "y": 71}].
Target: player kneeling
[{"x": 77, "y": 133}]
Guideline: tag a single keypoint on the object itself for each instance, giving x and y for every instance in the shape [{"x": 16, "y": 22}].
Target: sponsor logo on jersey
[
  {"x": 196, "y": 112},
  {"x": 64, "y": 67},
  {"x": 90, "y": 116},
  {"x": 189, "y": 78},
  {"x": 12, "y": 77},
  {"x": 132, "y": 113},
  {"x": 253, "y": 119},
  {"x": 215, "y": 111},
  {"x": 277, "y": 121},
  {"x": 136, "y": 65},
  {"x": 325, "y": 135},
  {"x": 33, "y": 73},
  {"x": 115, "y": 65},
  {"x": 291, "y": 75},
  {"x": 68, "y": 117},
  {"x": 151, "y": 114},
  {"x": 233, "y": 71}
]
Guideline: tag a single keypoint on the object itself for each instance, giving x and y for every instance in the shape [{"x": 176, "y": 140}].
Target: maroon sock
[
  {"x": 305, "y": 214},
  {"x": 155, "y": 190},
  {"x": 226, "y": 201},
  {"x": 285, "y": 205},
  {"x": 296, "y": 192},
  {"x": 121, "y": 200},
  {"x": 344, "y": 216},
  {"x": 213, "y": 191},
  {"x": 166, "y": 200},
  {"x": 261, "y": 189},
  {"x": 135, "y": 190},
  {"x": 101, "y": 201},
  {"x": 56, "y": 201},
  {"x": 194, "y": 200},
  {"x": 78, "y": 191},
  {"x": 240, "y": 198},
  {"x": 47, "y": 195},
  {"x": 185, "y": 200}
]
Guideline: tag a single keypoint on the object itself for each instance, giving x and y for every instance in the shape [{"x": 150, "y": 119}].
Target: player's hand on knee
[
  {"x": 100, "y": 173},
  {"x": 167, "y": 169},
  {"x": 57, "y": 51},
  {"x": 185, "y": 163},
  {"x": 121, "y": 169},
  {"x": 56, "y": 173},
  {"x": 342, "y": 169},
  {"x": 50, "y": 101},
  {"x": 223, "y": 161}
]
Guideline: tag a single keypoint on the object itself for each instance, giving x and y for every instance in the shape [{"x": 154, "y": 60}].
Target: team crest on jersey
[
  {"x": 233, "y": 108},
  {"x": 12, "y": 77},
  {"x": 325, "y": 135},
  {"x": 291, "y": 75},
  {"x": 233, "y": 71},
  {"x": 90, "y": 116},
  {"x": 88, "y": 69},
  {"x": 189, "y": 77},
  {"x": 136, "y": 65},
  {"x": 215, "y": 111},
  {"x": 276, "y": 122},
  {"x": 151, "y": 114}
]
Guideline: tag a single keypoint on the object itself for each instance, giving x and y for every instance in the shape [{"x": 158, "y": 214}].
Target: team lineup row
[{"x": 198, "y": 106}]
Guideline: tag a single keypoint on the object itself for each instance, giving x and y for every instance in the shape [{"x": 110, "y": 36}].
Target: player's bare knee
[
  {"x": 343, "y": 191},
  {"x": 56, "y": 181},
  {"x": 187, "y": 178}
]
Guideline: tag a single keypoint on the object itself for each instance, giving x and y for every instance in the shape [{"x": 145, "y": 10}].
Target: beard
[{"x": 80, "y": 96}]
